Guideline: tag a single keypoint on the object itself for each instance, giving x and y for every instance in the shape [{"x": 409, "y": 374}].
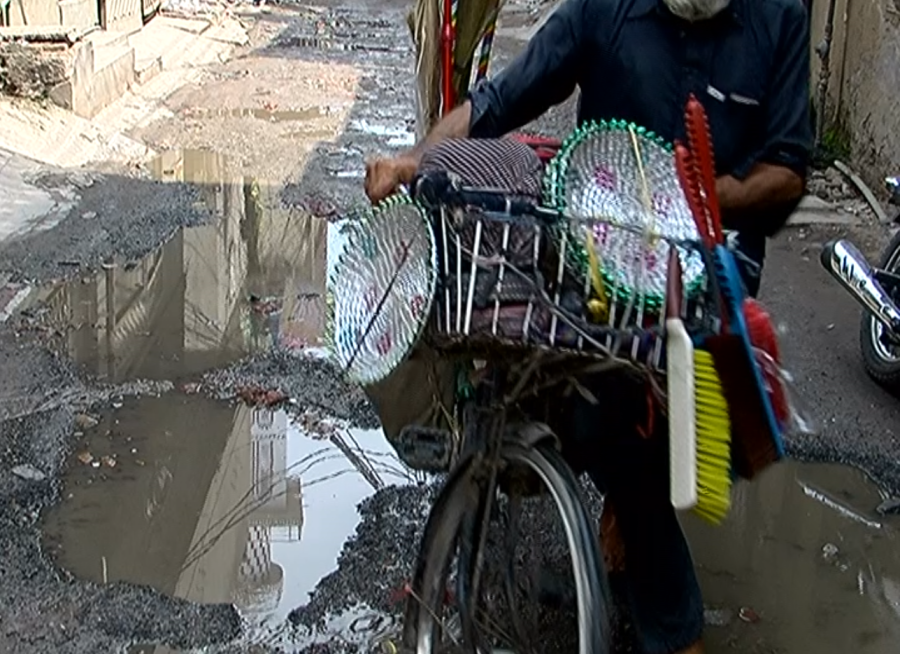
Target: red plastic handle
[
  {"x": 700, "y": 141},
  {"x": 687, "y": 175}
]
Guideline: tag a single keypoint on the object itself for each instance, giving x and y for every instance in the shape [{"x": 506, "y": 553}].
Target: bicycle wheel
[{"x": 430, "y": 621}]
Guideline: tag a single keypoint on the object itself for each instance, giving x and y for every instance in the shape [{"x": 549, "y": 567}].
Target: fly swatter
[
  {"x": 618, "y": 184},
  {"x": 382, "y": 287}
]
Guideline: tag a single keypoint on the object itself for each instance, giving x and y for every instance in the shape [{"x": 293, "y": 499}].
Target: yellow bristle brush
[
  {"x": 699, "y": 427},
  {"x": 713, "y": 441}
]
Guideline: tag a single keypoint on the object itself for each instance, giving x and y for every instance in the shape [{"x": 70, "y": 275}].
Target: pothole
[{"x": 216, "y": 503}]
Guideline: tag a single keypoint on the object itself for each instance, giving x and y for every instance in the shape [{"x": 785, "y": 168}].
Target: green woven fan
[
  {"x": 381, "y": 289},
  {"x": 608, "y": 174}
]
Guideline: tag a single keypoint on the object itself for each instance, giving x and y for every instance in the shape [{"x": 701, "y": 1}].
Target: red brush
[
  {"x": 700, "y": 142},
  {"x": 690, "y": 183},
  {"x": 763, "y": 336}
]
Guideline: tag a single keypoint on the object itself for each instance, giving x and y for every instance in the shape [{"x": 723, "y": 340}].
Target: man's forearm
[
  {"x": 764, "y": 198},
  {"x": 452, "y": 126},
  {"x": 766, "y": 187}
]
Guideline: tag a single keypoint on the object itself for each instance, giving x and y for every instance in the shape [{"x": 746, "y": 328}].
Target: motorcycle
[{"x": 877, "y": 289}]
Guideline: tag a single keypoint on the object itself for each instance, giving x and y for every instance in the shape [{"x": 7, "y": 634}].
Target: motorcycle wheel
[{"x": 882, "y": 361}]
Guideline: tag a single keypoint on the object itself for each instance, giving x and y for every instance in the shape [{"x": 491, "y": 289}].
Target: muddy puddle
[
  {"x": 803, "y": 564},
  {"x": 251, "y": 280},
  {"x": 214, "y": 503},
  {"x": 246, "y": 505}
]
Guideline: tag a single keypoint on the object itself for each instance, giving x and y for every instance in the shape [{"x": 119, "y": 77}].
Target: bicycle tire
[{"x": 440, "y": 543}]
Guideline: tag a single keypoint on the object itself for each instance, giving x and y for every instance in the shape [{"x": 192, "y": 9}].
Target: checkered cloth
[{"x": 513, "y": 167}]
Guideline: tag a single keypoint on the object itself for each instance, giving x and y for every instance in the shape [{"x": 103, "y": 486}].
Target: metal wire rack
[{"x": 505, "y": 283}]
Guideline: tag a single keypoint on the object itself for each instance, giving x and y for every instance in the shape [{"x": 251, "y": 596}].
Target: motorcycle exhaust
[{"x": 847, "y": 265}]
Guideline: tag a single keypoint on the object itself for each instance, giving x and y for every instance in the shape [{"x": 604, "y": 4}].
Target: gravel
[
  {"x": 311, "y": 384},
  {"x": 117, "y": 215}
]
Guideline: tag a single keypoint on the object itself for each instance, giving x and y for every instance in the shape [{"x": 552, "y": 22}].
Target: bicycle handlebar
[{"x": 440, "y": 188}]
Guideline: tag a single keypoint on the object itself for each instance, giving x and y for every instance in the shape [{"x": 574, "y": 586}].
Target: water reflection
[
  {"x": 253, "y": 512},
  {"x": 253, "y": 279},
  {"x": 803, "y": 564}
]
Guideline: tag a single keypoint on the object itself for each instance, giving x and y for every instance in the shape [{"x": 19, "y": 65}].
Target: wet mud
[{"x": 804, "y": 563}]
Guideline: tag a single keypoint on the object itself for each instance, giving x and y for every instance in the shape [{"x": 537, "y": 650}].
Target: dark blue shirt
[{"x": 634, "y": 60}]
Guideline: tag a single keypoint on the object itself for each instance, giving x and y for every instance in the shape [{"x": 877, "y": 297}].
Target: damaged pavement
[{"x": 180, "y": 468}]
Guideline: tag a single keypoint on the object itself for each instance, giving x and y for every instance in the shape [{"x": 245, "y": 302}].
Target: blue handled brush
[{"x": 756, "y": 438}]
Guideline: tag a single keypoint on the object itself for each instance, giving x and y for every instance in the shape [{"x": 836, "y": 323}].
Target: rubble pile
[
  {"x": 26, "y": 72},
  {"x": 832, "y": 186}
]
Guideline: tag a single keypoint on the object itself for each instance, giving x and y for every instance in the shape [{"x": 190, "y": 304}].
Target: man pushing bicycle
[{"x": 638, "y": 61}]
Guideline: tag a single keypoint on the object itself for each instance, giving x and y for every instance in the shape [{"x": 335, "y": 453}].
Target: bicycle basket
[
  {"x": 482, "y": 305},
  {"x": 538, "y": 280}
]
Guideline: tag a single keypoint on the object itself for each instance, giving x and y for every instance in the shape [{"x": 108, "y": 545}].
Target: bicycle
[
  {"x": 512, "y": 289},
  {"x": 502, "y": 450}
]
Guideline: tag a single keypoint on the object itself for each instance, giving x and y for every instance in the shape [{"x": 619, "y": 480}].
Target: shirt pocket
[{"x": 737, "y": 122}]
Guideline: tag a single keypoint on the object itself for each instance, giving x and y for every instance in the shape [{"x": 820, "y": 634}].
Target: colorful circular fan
[
  {"x": 597, "y": 181},
  {"x": 382, "y": 288}
]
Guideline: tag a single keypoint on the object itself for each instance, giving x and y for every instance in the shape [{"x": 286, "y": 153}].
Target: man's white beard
[{"x": 694, "y": 10}]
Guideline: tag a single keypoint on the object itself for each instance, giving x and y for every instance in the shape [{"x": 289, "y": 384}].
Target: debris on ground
[
  {"x": 718, "y": 617},
  {"x": 312, "y": 384},
  {"x": 26, "y": 72},
  {"x": 748, "y": 615},
  {"x": 28, "y": 472},
  {"x": 316, "y": 425},
  {"x": 890, "y": 505},
  {"x": 83, "y": 421},
  {"x": 834, "y": 187},
  {"x": 256, "y": 396},
  {"x": 265, "y": 306}
]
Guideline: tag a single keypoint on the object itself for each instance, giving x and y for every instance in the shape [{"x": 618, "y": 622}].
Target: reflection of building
[
  {"x": 179, "y": 301},
  {"x": 182, "y": 308},
  {"x": 277, "y": 500},
  {"x": 250, "y": 495},
  {"x": 199, "y": 522},
  {"x": 123, "y": 313},
  {"x": 290, "y": 269},
  {"x": 215, "y": 256}
]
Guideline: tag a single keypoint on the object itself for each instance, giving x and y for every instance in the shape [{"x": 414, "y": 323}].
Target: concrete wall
[
  {"x": 95, "y": 84},
  {"x": 68, "y": 13},
  {"x": 864, "y": 82}
]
